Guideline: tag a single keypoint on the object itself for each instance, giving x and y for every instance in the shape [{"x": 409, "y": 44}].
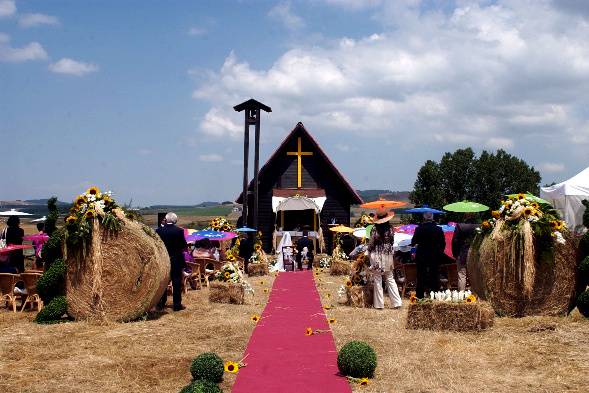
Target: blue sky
[{"x": 137, "y": 96}]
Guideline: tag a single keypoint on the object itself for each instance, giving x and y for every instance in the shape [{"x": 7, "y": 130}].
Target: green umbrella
[
  {"x": 531, "y": 197},
  {"x": 466, "y": 207}
]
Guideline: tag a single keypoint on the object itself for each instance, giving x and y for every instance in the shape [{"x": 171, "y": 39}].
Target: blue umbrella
[
  {"x": 213, "y": 235},
  {"x": 245, "y": 229},
  {"x": 423, "y": 209}
]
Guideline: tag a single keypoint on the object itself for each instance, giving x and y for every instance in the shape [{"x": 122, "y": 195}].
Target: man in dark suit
[
  {"x": 301, "y": 244},
  {"x": 173, "y": 238},
  {"x": 463, "y": 236},
  {"x": 430, "y": 242}
]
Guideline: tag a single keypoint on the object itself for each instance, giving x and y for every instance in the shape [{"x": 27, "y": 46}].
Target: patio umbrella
[
  {"x": 383, "y": 204},
  {"x": 360, "y": 233},
  {"x": 213, "y": 235},
  {"x": 14, "y": 212},
  {"x": 245, "y": 229},
  {"x": 466, "y": 207},
  {"x": 342, "y": 229},
  {"x": 531, "y": 197},
  {"x": 423, "y": 209}
]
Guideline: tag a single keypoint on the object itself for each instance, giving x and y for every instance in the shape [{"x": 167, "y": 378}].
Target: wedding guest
[
  {"x": 430, "y": 241},
  {"x": 305, "y": 242},
  {"x": 380, "y": 251},
  {"x": 173, "y": 238},
  {"x": 203, "y": 249},
  {"x": 463, "y": 235},
  {"x": 246, "y": 249},
  {"x": 14, "y": 236},
  {"x": 38, "y": 246}
]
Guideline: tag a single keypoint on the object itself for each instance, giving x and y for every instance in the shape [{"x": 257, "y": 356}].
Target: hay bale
[
  {"x": 120, "y": 277},
  {"x": 458, "y": 317},
  {"x": 257, "y": 269},
  {"x": 361, "y": 296},
  {"x": 340, "y": 267},
  {"x": 496, "y": 277},
  {"x": 226, "y": 292},
  {"x": 317, "y": 259}
]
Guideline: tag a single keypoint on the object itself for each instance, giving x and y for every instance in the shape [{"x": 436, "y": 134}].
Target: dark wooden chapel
[{"x": 299, "y": 167}]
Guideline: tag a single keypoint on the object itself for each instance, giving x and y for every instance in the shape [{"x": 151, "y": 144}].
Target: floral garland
[
  {"x": 259, "y": 255},
  {"x": 220, "y": 224},
  {"x": 91, "y": 205},
  {"x": 520, "y": 208}
]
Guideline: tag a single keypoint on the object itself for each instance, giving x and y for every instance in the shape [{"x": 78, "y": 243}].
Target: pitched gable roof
[{"x": 356, "y": 199}]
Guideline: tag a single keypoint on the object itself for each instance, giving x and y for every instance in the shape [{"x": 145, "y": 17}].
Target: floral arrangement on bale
[
  {"x": 220, "y": 224},
  {"x": 524, "y": 260},
  {"x": 323, "y": 261},
  {"x": 358, "y": 287},
  {"x": 228, "y": 286},
  {"x": 116, "y": 268},
  {"x": 453, "y": 311},
  {"x": 340, "y": 264},
  {"x": 258, "y": 263},
  {"x": 363, "y": 221}
]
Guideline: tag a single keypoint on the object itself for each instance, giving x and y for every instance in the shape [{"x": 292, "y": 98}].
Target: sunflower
[
  {"x": 413, "y": 299},
  {"x": 521, "y": 196},
  {"x": 262, "y": 282},
  {"x": 226, "y": 228},
  {"x": 471, "y": 299},
  {"x": 317, "y": 273},
  {"x": 528, "y": 211},
  {"x": 496, "y": 214},
  {"x": 331, "y": 320},
  {"x": 265, "y": 290},
  {"x": 535, "y": 205},
  {"x": 309, "y": 331},
  {"x": 356, "y": 279},
  {"x": 560, "y": 225},
  {"x": 255, "y": 318},
  {"x": 349, "y": 284},
  {"x": 93, "y": 190},
  {"x": 70, "y": 219},
  {"x": 328, "y": 295},
  {"x": 90, "y": 214},
  {"x": 327, "y": 307},
  {"x": 258, "y": 247},
  {"x": 553, "y": 224},
  {"x": 364, "y": 382},
  {"x": 227, "y": 275},
  {"x": 231, "y": 367},
  {"x": 80, "y": 199},
  {"x": 486, "y": 224}
]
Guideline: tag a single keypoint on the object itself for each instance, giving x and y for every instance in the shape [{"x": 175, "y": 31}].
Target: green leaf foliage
[
  {"x": 201, "y": 386},
  {"x": 53, "y": 311},
  {"x": 207, "y": 366},
  {"x": 583, "y": 303},
  {"x": 52, "y": 283},
  {"x": 357, "y": 359},
  {"x": 586, "y": 213},
  {"x": 584, "y": 245},
  {"x": 51, "y": 250},
  {"x": 584, "y": 271}
]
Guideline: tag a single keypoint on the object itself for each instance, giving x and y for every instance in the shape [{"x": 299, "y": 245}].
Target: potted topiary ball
[
  {"x": 201, "y": 386},
  {"x": 207, "y": 366},
  {"x": 583, "y": 303},
  {"x": 357, "y": 359}
]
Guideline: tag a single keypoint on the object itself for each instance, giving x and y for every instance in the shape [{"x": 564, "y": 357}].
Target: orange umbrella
[{"x": 383, "y": 204}]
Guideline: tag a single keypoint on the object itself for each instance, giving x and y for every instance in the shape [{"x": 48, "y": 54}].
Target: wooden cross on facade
[{"x": 299, "y": 153}]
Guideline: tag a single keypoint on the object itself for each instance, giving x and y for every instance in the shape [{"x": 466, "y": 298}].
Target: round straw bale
[
  {"x": 340, "y": 267},
  {"x": 497, "y": 268},
  {"x": 257, "y": 269},
  {"x": 121, "y": 276}
]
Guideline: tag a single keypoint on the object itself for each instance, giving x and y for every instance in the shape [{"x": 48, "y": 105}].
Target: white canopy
[
  {"x": 297, "y": 203},
  {"x": 566, "y": 197},
  {"x": 14, "y": 212}
]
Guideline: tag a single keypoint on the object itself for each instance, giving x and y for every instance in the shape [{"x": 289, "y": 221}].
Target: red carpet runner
[{"x": 281, "y": 358}]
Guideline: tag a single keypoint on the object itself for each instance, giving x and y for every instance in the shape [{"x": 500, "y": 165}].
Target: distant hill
[
  {"x": 36, "y": 207},
  {"x": 373, "y": 195}
]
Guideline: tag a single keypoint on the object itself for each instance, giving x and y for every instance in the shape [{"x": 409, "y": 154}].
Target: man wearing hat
[
  {"x": 380, "y": 251},
  {"x": 430, "y": 242}
]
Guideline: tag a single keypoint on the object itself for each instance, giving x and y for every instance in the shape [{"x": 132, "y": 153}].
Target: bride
[{"x": 284, "y": 242}]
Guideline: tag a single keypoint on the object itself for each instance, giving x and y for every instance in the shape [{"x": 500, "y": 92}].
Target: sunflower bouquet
[
  {"x": 523, "y": 208},
  {"x": 229, "y": 273},
  {"x": 363, "y": 221},
  {"x": 87, "y": 207},
  {"x": 220, "y": 224},
  {"x": 258, "y": 256}
]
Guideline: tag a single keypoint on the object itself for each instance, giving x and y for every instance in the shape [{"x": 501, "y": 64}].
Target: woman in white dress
[
  {"x": 380, "y": 251},
  {"x": 284, "y": 242}
]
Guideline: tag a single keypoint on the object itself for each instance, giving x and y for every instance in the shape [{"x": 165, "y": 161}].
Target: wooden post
[
  {"x": 256, "y": 168},
  {"x": 246, "y": 148}
]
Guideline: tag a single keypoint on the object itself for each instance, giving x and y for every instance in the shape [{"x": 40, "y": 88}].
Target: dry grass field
[{"x": 519, "y": 355}]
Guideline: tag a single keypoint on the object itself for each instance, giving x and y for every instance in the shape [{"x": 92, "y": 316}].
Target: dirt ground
[{"x": 520, "y": 355}]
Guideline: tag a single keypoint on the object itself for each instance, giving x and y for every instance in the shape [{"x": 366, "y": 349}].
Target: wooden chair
[
  {"x": 208, "y": 266},
  {"x": 195, "y": 277},
  {"x": 288, "y": 255},
  {"x": 7, "y": 283},
  {"x": 451, "y": 280},
  {"x": 409, "y": 273},
  {"x": 30, "y": 279}
]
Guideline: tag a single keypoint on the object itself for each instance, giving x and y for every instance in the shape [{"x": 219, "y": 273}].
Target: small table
[{"x": 14, "y": 247}]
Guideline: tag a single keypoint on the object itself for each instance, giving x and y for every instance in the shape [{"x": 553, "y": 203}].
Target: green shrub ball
[
  {"x": 357, "y": 359},
  {"x": 51, "y": 283},
  {"x": 207, "y": 366},
  {"x": 584, "y": 245},
  {"x": 201, "y": 386},
  {"x": 53, "y": 311},
  {"x": 583, "y": 303}
]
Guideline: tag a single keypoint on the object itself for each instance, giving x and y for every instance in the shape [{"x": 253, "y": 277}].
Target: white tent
[{"x": 566, "y": 197}]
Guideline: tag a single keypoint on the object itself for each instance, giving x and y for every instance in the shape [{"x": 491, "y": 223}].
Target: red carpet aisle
[{"x": 281, "y": 357}]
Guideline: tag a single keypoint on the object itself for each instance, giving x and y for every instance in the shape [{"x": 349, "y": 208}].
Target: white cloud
[
  {"x": 34, "y": 20},
  {"x": 210, "y": 157},
  {"x": 283, "y": 13},
  {"x": 197, "y": 31},
  {"x": 500, "y": 143},
  {"x": 216, "y": 124},
  {"x": 29, "y": 52},
  {"x": 7, "y": 8},
  {"x": 72, "y": 67},
  {"x": 354, "y": 4},
  {"x": 551, "y": 167}
]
